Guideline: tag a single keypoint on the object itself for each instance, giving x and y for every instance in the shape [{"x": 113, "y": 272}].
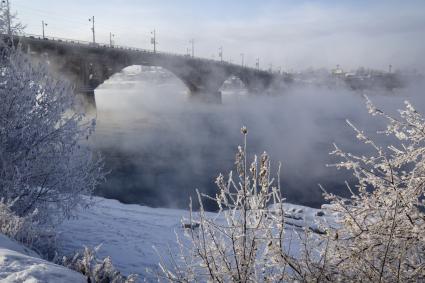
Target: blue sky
[{"x": 294, "y": 34}]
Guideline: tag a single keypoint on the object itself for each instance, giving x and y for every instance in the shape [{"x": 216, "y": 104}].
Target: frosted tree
[
  {"x": 380, "y": 233},
  {"x": 46, "y": 163},
  {"x": 8, "y": 20}
]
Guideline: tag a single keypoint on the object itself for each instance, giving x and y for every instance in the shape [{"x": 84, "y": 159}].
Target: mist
[{"x": 160, "y": 145}]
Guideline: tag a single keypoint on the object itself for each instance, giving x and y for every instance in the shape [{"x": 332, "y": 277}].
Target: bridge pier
[
  {"x": 206, "y": 97},
  {"x": 86, "y": 102},
  {"x": 88, "y": 92}
]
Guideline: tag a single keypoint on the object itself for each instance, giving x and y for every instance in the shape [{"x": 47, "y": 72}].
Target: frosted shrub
[
  {"x": 244, "y": 241},
  {"x": 25, "y": 231},
  {"x": 380, "y": 237},
  {"x": 94, "y": 269},
  {"x": 45, "y": 161},
  {"x": 10, "y": 224}
]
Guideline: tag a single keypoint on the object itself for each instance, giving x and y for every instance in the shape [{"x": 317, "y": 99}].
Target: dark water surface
[{"x": 160, "y": 146}]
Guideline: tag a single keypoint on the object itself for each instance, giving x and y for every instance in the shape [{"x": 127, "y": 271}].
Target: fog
[{"x": 160, "y": 145}]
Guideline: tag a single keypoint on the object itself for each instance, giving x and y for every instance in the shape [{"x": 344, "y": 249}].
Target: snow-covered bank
[
  {"x": 129, "y": 232},
  {"x": 19, "y": 264}
]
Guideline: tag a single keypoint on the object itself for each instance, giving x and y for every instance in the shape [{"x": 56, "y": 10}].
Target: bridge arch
[
  {"x": 233, "y": 84},
  {"x": 137, "y": 74},
  {"x": 184, "y": 79}
]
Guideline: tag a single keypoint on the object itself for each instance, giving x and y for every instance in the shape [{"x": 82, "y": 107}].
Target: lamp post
[
  {"x": 220, "y": 53},
  {"x": 242, "y": 59},
  {"x": 192, "y": 41},
  {"x": 257, "y": 64},
  {"x": 93, "y": 31},
  {"x": 111, "y": 42},
  {"x": 153, "y": 40},
  {"x": 43, "y": 24}
]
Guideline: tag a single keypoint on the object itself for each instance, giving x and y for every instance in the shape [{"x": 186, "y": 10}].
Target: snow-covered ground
[
  {"x": 129, "y": 232},
  {"x": 19, "y": 264}
]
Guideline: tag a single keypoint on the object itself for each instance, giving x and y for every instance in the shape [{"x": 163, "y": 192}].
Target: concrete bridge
[{"x": 88, "y": 65}]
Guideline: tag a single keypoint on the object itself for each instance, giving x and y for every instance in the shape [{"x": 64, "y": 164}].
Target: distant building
[{"x": 338, "y": 72}]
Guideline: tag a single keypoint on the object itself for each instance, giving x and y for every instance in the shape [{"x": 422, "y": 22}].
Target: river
[{"x": 160, "y": 145}]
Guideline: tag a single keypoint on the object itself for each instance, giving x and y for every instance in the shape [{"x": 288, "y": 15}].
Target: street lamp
[
  {"x": 257, "y": 64},
  {"x": 192, "y": 41},
  {"x": 43, "y": 24},
  {"x": 153, "y": 40},
  {"x": 94, "y": 37},
  {"x": 242, "y": 58},
  {"x": 111, "y": 42},
  {"x": 220, "y": 53}
]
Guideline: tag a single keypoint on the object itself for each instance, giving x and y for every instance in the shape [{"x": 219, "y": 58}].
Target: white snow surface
[
  {"x": 19, "y": 264},
  {"x": 128, "y": 233}
]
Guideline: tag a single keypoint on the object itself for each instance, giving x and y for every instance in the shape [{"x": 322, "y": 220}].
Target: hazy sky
[{"x": 292, "y": 34}]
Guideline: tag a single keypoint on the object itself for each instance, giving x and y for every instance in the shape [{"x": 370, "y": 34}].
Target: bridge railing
[
  {"x": 98, "y": 44},
  {"x": 122, "y": 47},
  {"x": 58, "y": 39}
]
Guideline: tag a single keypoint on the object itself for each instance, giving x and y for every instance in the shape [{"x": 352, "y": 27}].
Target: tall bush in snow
[
  {"x": 94, "y": 269},
  {"x": 26, "y": 231},
  {"x": 45, "y": 163},
  {"x": 244, "y": 241},
  {"x": 380, "y": 236}
]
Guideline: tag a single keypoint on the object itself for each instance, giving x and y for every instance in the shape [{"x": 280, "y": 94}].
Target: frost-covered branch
[{"x": 380, "y": 232}]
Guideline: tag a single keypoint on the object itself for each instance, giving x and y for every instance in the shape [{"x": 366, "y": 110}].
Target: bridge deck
[{"x": 77, "y": 42}]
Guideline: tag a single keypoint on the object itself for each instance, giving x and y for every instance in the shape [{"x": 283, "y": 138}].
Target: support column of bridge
[
  {"x": 83, "y": 84},
  {"x": 204, "y": 95},
  {"x": 90, "y": 77},
  {"x": 204, "y": 87},
  {"x": 96, "y": 69}
]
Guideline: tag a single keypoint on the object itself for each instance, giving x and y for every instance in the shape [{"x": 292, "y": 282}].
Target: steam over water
[{"x": 160, "y": 145}]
